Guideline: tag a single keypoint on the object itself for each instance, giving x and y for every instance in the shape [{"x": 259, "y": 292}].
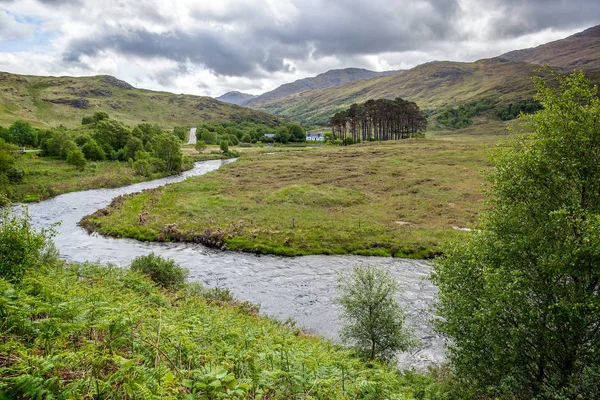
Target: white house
[{"x": 314, "y": 136}]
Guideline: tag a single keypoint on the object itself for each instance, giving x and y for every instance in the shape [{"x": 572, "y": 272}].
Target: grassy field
[
  {"x": 46, "y": 177},
  {"x": 398, "y": 199}
]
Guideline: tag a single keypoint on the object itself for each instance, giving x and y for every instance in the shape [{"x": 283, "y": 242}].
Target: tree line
[{"x": 380, "y": 119}]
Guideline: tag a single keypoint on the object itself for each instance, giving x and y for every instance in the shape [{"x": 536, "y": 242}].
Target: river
[{"x": 298, "y": 287}]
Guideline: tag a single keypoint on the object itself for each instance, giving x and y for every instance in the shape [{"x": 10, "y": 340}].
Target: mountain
[
  {"x": 438, "y": 84},
  {"x": 235, "y": 97},
  {"x": 579, "y": 51},
  {"x": 332, "y": 78},
  {"x": 51, "y": 101}
]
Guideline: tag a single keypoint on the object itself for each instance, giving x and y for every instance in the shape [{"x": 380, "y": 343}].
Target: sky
[{"x": 212, "y": 47}]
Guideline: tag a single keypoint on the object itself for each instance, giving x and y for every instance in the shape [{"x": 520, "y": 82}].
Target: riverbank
[
  {"x": 400, "y": 199},
  {"x": 96, "y": 331},
  {"x": 47, "y": 177}
]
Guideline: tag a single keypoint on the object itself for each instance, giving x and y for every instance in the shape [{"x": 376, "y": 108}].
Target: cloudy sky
[{"x": 210, "y": 47}]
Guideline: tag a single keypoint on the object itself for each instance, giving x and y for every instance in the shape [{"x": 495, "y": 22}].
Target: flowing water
[{"x": 298, "y": 287}]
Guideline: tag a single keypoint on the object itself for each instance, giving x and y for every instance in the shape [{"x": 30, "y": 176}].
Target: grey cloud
[
  {"x": 260, "y": 43},
  {"x": 519, "y": 17}
]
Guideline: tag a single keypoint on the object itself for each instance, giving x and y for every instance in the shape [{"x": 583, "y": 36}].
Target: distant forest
[{"x": 380, "y": 119}]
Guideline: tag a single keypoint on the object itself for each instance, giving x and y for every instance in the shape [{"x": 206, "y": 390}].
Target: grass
[
  {"x": 46, "y": 177},
  {"x": 44, "y": 101},
  {"x": 93, "y": 331},
  {"x": 398, "y": 199}
]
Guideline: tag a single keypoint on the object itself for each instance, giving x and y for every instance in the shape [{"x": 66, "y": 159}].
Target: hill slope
[
  {"x": 332, "y": 78},
  {"x": 235, "y": 97},
  {"x": 432, "y": 85},
  {"x": 65, "y": 100},
  {"x": 441, "y": 84},
  {"x": 579, "y": 51}
]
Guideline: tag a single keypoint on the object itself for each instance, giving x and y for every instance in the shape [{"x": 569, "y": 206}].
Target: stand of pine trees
[{"x": 380, "y": 119}]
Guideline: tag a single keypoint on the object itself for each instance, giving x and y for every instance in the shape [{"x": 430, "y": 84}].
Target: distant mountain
[
  {"x": 433, "y": 86},
  {"x": 51, "y": 101},
  {"x": 332, "y": 78},
  {"x": 442, "y": 84},
  {"x": 579, "y": 51},
  {"x": 235, "y": 97}
]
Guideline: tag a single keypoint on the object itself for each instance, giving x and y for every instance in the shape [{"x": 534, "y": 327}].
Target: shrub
[
  {"x": 224, "y": 146},
  {"x": 21, "y": 246},
  {"x": 162, "y": 271},
  {"x": 200, "y": 146},
  {"x": 77, "y": 159},
  {"x": 92, "y": 151},
  {"x": 15, "y": 174}
]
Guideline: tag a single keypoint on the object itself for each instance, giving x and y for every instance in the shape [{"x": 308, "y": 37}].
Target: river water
[{"x": 298, "y": 287}]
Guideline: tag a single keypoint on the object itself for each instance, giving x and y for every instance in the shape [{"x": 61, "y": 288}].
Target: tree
[
  {"x": 111, "y": 135},
  {"x": 77, "y": 159},
  {"x": 180, "y": 132},
  {"x": 92, "y": 151},
  {"x": 166, "y": 148},
  {"x": 21, "y": 133},
  {"x": 206, "y": 136},
  {"x": 374, "y": 321},
  {"x": 7, "y": 156},
  {"x": 224, "y": 146},
  {"x": 519, "y": 298},
  {"x": 200, "y": 146},
  {"x": 297, "y": 133}
]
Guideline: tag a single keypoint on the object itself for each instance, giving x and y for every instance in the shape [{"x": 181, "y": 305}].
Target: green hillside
[
  {"x": 433, "y": 86},
  {"x": 50, "y": 101},
  {"x": 436, "y": 85}
]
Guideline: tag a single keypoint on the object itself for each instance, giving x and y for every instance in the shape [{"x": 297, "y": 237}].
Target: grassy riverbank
[
  {"x": 45, "y": 177},
  {"x": 104, "y": 332},
  {"x": 388, "y": 199}
]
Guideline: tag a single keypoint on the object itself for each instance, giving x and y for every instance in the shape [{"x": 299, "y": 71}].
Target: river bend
[{"x": 298, "y": 287}]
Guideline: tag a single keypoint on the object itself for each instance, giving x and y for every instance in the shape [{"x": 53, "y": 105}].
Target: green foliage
[
  {"x": 7, "y": 156},
  {"x": 134, "y": 144},
  {"x": 111, "y": 135},
  {"x": 23, "y": 134},
  {"x": 206, "y": 136},
  {"x": 513, "y": 110},
  {"x": 99, "y": 116},
  {"x": 15, "y": 174},
  {"x": 92, "y": 151},
  {"x": 460, "y": 117},
  {"x": 180, "y": 132},
  {"x": 374, "y": 321},
  {"x": 297, "y": 133},
  {"x": 519, "y": 299},
  {"x": 21, "y": 246},
  {"x": 87, "y": 120},
  {"x": 77, "y": 159},
  {"x": 163, "y": 271},
  {"x": 200, "y": 146},
  {"x": 167, "y": 148},
  {"x": 224, "y": 146}
]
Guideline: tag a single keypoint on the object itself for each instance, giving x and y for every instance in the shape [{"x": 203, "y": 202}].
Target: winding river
[{"x": 300, "y": 287}]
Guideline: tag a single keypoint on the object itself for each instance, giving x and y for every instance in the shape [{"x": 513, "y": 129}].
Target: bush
[
  {"x": 77, "y": 159},
  {"x": 15, "y": 174},
  {"x": 162, "y": 271},
  {"x": 92, "y": 151},
  {"x": 87, "y": 120},
  {"x": 21, "y": 246},
  {"x": 200, "y": 146},
  {"x": 224, "y": 146}
]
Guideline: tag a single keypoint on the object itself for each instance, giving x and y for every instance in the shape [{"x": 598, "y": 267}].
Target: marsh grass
[{"x": 399, "y": 199}]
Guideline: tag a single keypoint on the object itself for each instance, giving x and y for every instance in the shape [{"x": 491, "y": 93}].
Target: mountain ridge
[
  {"x": 52, "y": 100},
  {"x": 439, "y": 84}
]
